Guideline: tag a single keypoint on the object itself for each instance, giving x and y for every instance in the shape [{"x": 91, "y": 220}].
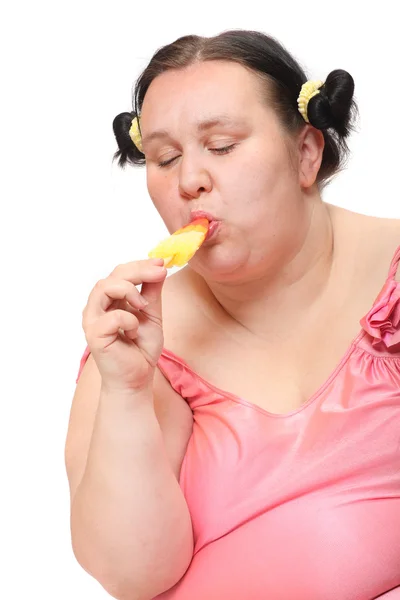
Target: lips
[
  {"x": 214, "y": 226},
  {"x": 213, "y": 221},
  {"x": 201, "y": 214}
]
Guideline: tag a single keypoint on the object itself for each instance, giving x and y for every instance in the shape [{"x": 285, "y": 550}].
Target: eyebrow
[{"x": 201, "y": 126}]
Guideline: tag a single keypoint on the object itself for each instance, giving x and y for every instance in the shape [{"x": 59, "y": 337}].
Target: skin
[
  {"x": 272, "y": 262},
  {"x": 284, "y": 270}
]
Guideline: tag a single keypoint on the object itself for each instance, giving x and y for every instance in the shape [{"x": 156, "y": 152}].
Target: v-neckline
[
  {"x": 243, "y": 401},
  {"x": 345, "y": 357}
]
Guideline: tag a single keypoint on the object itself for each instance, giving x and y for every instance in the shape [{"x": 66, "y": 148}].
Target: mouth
[
  {"x": 214, "y": 222},
  {"x": 214, "y": 226},
  {"x": 201, "y": 214}
]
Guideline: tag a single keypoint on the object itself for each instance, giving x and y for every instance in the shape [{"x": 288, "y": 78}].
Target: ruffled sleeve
[{"x": 382, "y": 322}]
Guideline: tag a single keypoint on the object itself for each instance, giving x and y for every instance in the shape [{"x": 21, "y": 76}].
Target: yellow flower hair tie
[
  {"x": 308, "y": 91},
  {"x": 134, "y": 134}
]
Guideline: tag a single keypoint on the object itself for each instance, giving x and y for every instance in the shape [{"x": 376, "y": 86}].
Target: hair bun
[
  {"x": 334, "y": 106},
  {"x": 127, "y": 151}
]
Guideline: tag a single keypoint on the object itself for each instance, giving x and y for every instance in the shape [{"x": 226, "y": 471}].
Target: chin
[{"x": 218, "y": 263}]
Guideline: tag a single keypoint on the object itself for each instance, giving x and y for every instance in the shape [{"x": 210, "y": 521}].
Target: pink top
[{"x": 304, "y": 505}]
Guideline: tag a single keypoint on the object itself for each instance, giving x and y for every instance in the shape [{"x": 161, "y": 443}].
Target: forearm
[{"x": 131, "y": 527}]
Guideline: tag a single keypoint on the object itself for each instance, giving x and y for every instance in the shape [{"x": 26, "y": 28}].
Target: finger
[
  {"x": 152, "y": 292},
  {"x": 125, "y": 305},
  {"x": 133, "y": 273},
  {"x": 104, "y": 331},
  {"x": 106, "y": 293},
  {"x": 117, "y": 292},
  {"x": 141, "y": 270},
  {"x": 109, "y": 294}
]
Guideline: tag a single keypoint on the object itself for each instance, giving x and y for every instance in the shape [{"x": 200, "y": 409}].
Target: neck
[{"x": 278, "y": 301}]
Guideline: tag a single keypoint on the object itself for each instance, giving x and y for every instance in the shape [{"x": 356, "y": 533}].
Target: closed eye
[
  {"x": 219, "y": 151},
  {"x": 165, "y": 163},
  {"x": 223, "y": 150}
]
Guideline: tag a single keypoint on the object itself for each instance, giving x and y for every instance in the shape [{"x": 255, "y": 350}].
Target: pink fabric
[
  {"x": 84, "y": 358},
  {"x": 382, "y": 322},
  {"x": 305, "y": 505}
]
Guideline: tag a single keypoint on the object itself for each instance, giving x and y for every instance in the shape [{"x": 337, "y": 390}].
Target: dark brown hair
[{"x": 333, "y": 110}]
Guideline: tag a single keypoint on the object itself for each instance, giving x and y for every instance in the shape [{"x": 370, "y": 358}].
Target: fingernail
[{"x": 143, "y": 301}]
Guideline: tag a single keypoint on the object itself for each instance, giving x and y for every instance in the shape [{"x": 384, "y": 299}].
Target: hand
[{"x": 124, "y": 336}]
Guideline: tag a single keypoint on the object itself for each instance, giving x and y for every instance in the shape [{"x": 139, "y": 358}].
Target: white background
[{"x": 68, "y": 216}]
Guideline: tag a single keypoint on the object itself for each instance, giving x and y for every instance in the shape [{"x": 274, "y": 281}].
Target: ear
[{"x": 310, "y": 148}]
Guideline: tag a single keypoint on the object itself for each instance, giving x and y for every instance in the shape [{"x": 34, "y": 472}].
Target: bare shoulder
[
  {"x": 385, "y": 229},
  {"x": 370, "y": 241},
  {"x": 381, "y": 241}
]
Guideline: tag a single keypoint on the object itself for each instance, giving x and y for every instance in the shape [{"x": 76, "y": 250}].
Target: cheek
[
  {"x": 258, "y": 191},
  {"x": 272, "y": 175},
  {"x": 161, "y": 192},
  {"x": 254, "y": 180},
  {"x": 158, "y": 187}
]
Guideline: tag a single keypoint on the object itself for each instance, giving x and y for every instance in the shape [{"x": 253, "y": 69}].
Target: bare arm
[{"x": 130, "y": 524}]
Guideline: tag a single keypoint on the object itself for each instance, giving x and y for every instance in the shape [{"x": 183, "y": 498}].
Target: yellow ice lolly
[{"x": 181, "y": 246}]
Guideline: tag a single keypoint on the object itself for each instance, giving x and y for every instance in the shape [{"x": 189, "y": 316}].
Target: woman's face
[{"x": 212, "y": 144}]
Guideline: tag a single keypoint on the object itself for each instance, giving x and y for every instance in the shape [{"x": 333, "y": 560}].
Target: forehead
[{"x": 195, "y": 92}]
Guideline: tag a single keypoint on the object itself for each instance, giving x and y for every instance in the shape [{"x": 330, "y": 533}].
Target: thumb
[{"x": 152, "y": 292}]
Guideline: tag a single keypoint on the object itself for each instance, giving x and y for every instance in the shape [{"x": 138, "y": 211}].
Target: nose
[{"x": 194, "y": 179}]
